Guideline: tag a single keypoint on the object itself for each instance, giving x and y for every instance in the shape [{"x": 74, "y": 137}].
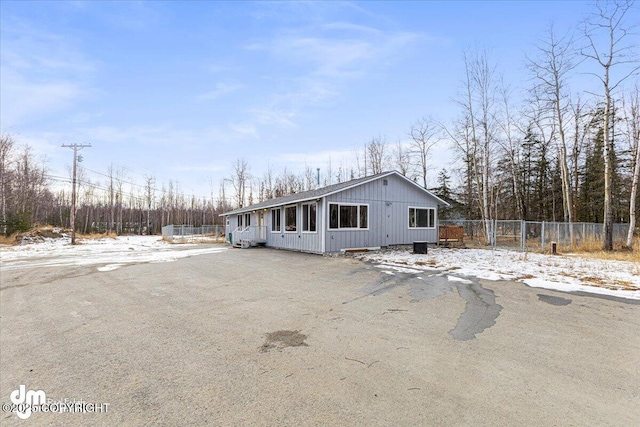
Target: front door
[
  {"x": 262, "y": 229},
  {"x": 388, "y": 226}
]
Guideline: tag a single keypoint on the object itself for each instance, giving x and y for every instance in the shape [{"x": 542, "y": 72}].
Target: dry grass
[
  {"x": 195, "y": 239},
  {"x": 9, "y": 240},
  {"x": 593, "y": 249},
  {"x": 95, "y": 236},
  {"x": 47, "y": 231},
  {"x": 35, "y": 234}
]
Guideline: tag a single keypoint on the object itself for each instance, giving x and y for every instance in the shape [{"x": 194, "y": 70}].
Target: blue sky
[{"x": 179, "y": 90}]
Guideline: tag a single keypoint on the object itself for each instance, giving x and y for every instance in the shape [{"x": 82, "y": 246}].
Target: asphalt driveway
[{"x": 267, "y": 337}]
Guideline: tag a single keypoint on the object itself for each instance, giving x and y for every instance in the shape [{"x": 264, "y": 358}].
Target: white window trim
[
  {"x": 435, "y": 217},
  {"x": 272, "y": 211},
  {"x": 283, "y": 224},
  {"x": 302, "y": 213},
  {"x": 247, "y": 216},
  {"x": 349, "y": 228},
  {"x": 239, "y": 220}
]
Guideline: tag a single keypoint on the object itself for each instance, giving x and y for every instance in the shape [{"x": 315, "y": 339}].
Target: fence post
[
  {"x": 523, "y": 234},
  {"x": 542, "y": 237}
]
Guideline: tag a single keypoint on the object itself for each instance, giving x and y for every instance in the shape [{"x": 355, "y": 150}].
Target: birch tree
[
  {"x": 6, "y": 146},
  {"x": 632, "y": 131},
  {"x": 239, "y": 180},
  {"x": 377, "y": 155},
  {"x": 425, "y": 134},
  {"x": 616, "y": 51},
  {"x": 402, "y": 160},
  {"x": 550, "y": 69},
  {"x": 511, "y": 144},
  {"x": 478, "y": 102}
]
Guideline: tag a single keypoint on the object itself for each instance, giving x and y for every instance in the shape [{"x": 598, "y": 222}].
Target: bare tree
[
  {"x": 360, "y": 157},
  {"x": 579, "y": 137},
  {"x": 6, "y": 146},
  {"x": 616, "y": 51},
  {"x": 425, "y": 134},
  {"x": 309, "y": 178},
  {"x": 239, "y": 180},
  {"x": 511, "y": 146},
  {"x": 149, "y": 198},
  {"x": 476, "y": 133},
  {"x": 377, "y": 155},
  {"x": 632, "y": 131},
  {"x": 550, "y": 69},
  {"x": 403, "y": 160},
  {"x": 119, "y": 193}
]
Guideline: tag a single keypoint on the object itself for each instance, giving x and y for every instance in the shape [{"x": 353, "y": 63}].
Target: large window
[
  {"x": 290, "y": 217},
  {"x": 309, "y": 217},
  {"x": 240, "y": 221},
  {"x": 422, "y": 218},
  {"x": 343, "y": 216},
  {"x": 275, "y": 220},
  {"x": 247, "y": 219}
]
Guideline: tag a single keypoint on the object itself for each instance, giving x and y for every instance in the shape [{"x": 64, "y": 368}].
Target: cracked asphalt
[{"x": 268, "y": 337}]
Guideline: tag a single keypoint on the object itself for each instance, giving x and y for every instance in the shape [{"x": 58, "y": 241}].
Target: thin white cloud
[
  {"x": 328, "y": 56},
  {"x": 348, "y": 26},
  {"x": 331, "y": 53},
  {"x": 274, "y": 117},
  {"x": 42, "y": 73},
  {"x": 24, "y": 100},
  {"x": 244, "y": 129},
  {"x": 199, "y": 168},
  {"x": 221, "y": 89},
  {"x": 315, "y": 158}
]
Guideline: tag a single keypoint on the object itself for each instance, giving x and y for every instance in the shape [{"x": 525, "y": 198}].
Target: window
[
  {"x": 275, "y": 220},
  {"x": 309, "y": 216},
  {"x": 239, "y": 220},
  {"x": 342, "y": 216},
  {"x": 422, "y": 218},
  {"x": 364, "y": 216},
  {"x": 290, "y": 216},
  {"x": 247, "y": 219}
]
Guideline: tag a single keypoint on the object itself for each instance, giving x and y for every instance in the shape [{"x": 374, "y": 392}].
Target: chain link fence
[
  {"x": 192, "y": 234},
  {"x": 537, "y": 236}
]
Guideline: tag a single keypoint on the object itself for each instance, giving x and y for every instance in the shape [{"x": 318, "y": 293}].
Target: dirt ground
[{"x": 275, "y": 338}]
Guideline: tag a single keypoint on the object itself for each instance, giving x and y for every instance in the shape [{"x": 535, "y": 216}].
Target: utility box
[{"x": 419, "y": 247}]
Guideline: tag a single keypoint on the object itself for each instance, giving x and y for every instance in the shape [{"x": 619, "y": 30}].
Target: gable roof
[{"x": 325, "y": 191}]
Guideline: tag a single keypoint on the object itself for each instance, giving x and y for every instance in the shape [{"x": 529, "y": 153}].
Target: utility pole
[{"x": 75, "y": 148}]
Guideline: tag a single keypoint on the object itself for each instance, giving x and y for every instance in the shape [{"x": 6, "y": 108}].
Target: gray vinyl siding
[
  {"x": 388, "y": 215},
  {"x": 388, "y": 219},
  {"x": 299, "y": 241},
  {"x": 233, "y": 223}
]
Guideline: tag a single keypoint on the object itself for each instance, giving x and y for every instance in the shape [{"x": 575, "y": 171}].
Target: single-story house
[{"x": 375, "y": 211}]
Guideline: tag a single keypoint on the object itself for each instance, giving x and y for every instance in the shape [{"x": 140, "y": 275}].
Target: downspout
[{"x": 323, "y": 219}]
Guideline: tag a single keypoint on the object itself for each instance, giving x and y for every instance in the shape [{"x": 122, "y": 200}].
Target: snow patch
[
  {"x": 110, "y": 267},
  {"x": 572, "y": 287},
  {"x": 459, "y": 279},
  {"x": 568, "y": 273},
  {"x": 110, "y": 253}
]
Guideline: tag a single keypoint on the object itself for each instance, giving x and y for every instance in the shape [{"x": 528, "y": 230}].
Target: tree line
[{"x": 537, "y": 151}]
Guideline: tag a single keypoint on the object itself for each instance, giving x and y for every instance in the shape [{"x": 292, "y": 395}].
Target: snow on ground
[
  {"x": 563, "y": 273},
  {"x": 107, "y": 254},
  {"x": 557, "y": 272}
]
